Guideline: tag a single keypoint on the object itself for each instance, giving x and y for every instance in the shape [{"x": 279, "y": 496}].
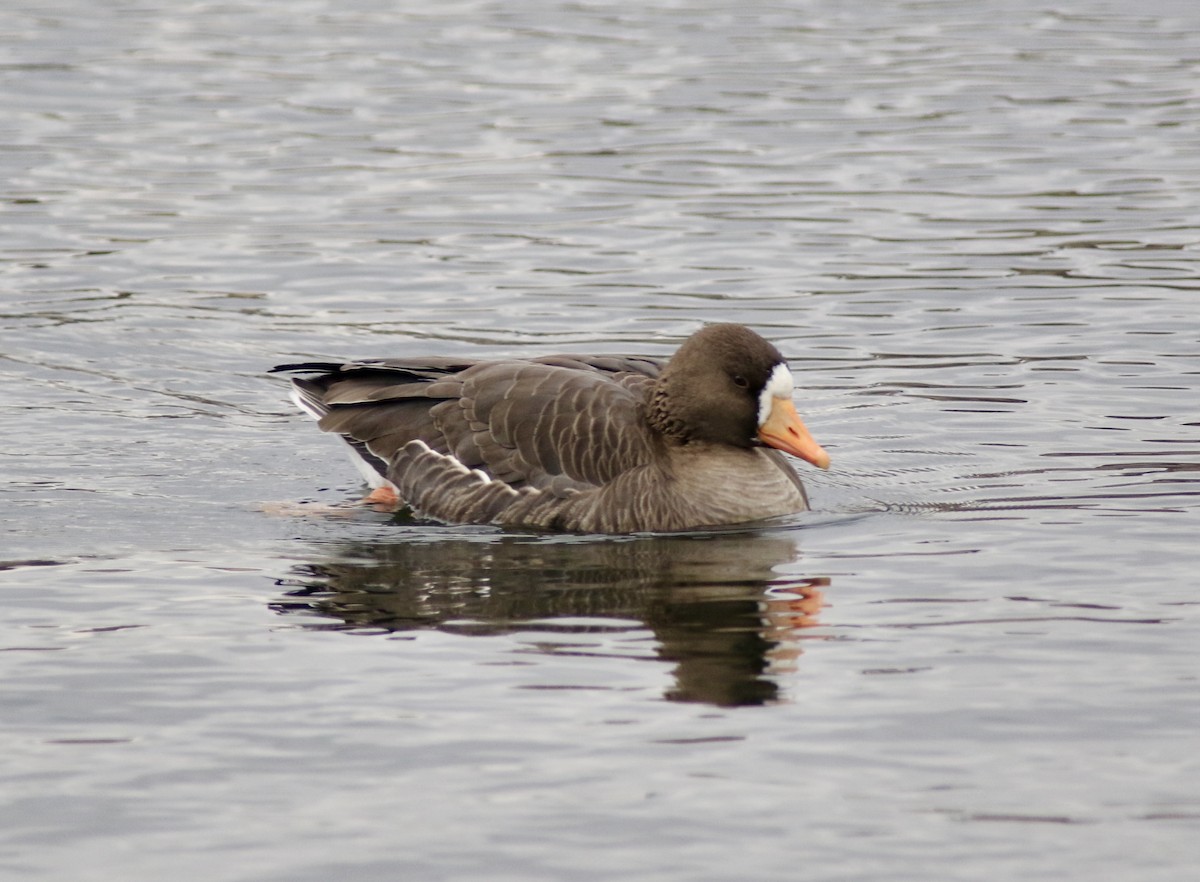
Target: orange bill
[{"x": 784, "y": 431}]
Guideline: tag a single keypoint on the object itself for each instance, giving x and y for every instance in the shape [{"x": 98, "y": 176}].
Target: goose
[{"x": 576, "y": 443}]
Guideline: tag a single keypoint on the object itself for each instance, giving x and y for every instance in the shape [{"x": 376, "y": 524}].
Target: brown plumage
[{"x": 586, "y": 443}]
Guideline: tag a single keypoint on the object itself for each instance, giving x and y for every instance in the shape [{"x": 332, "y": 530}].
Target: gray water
[{"x": 971, "y": 227}]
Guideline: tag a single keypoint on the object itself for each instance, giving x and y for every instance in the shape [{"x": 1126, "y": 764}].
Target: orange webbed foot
[{"x": 383, "y": 499}]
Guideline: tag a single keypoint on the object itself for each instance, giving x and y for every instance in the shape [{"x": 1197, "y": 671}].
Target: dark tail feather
[{"x": 324, "y": 367}]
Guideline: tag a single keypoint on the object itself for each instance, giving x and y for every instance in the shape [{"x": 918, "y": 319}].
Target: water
[{"x": 972, "y": 231}]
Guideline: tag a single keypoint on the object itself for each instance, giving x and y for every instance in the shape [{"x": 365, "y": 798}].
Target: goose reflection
[{"x": 714, "y": 603}]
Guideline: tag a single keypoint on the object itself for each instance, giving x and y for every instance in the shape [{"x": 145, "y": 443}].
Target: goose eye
[{"x": 741, "y": 382}]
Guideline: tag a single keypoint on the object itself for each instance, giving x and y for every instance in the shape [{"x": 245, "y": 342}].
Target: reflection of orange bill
[
  {"x": 784, "y": 430},
  {"x": 800, "y": 611}
]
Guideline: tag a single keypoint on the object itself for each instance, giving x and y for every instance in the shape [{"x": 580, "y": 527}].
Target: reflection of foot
[{"x": 383, "y": 499}]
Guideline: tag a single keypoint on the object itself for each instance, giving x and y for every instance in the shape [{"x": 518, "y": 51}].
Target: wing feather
[
  {"x": 535, "y": 423},
  {"x": 561, "y": 423}
]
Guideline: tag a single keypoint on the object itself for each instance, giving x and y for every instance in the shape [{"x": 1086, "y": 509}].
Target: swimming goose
[{"x": 597, "y": 444}]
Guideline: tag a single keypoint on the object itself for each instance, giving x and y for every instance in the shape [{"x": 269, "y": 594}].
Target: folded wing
[{"x": 556, "y": 424}]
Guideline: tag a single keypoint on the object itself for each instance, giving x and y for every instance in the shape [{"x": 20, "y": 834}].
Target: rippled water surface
[{"x": 972, "y": 229}]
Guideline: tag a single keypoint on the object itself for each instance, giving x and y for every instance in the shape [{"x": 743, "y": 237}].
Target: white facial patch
[{"x": 779, "y": 385}]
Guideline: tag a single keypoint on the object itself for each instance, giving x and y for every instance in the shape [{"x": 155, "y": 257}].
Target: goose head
[{"x": 727, "y": 385}]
